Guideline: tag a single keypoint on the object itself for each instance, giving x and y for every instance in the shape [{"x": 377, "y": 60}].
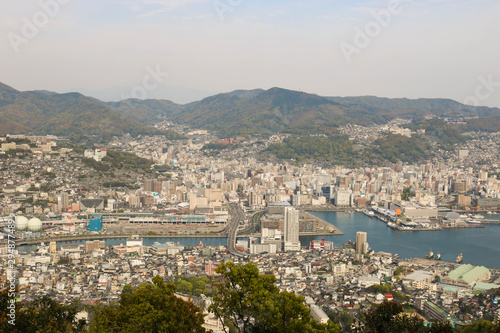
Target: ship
[
  {"x": 460, "y": 258},
  {"x": 369, "y": 213},
  {"x": 430, "y": 255},
  {"x": 392, "y": 225},
  {"x": 438, "y": 256}
]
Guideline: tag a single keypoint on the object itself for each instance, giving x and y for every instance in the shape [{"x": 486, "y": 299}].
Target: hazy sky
[{"x": 107, "y": 48}]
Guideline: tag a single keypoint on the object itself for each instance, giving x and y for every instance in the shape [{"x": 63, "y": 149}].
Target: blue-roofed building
[{"x": 95, "y": 224}]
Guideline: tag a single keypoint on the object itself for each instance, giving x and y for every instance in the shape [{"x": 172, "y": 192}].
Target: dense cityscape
[
  {"x": 230, "y": 166},
  {"x": 66, "y": 201}
]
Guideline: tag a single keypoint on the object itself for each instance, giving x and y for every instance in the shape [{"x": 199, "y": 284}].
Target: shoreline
[{"x": 94, "y": 237}]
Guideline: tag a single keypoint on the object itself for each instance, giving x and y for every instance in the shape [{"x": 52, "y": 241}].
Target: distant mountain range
[
  {"x": 71, "y": 114},
  {"x": 241, "y": 112}
]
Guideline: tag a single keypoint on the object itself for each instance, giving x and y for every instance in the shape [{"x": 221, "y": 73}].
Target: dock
[{"x": 327, "y": 227}]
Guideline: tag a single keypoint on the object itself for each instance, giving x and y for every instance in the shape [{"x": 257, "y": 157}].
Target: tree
[
  {"x": 150, "y": 308},
  {"x": 483, "y": 326},
  {"x": 185, "y": 287},
  {"x": 43, "y": 314},
  {"x": 252, "y": 303},
  {"x": 390, "y": 317}
]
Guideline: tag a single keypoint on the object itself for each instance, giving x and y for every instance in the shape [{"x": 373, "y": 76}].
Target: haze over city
[{"x": 424, "y": 49}]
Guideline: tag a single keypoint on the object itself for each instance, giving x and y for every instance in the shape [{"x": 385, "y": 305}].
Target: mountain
[
  {"x": 179, "y": 94},
  {"x": 258, "y": 111},
  {"x": 241, "y": 112},
  {"x": 486, "y": 124},
  {"x": 268, "y": 111},
  {"x": 148, "y": 111},
  {"x": 70, "y": 114},
  {"x": 411, "y": 108}
]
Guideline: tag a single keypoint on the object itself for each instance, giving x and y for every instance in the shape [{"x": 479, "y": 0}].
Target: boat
[
  {"x": 477, "y": 217},
  {"x": 460, "y": 258},
  {"x": 438, "y": 256},
  {"x": 392, "y": 225},
  {"x": 369, "y": 213},
  {"x": 430, "y": 255},
  {"x": 473, "y": 221},
  {"x": 490, "y": 212}
]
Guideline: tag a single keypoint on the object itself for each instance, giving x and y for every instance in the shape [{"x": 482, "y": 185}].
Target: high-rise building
[
  {"x": 152, "y": 185},
  {"x": 361, "y": 243},
  {"x": 63, "y": 201},
  {"x": 291, "y": 229}
]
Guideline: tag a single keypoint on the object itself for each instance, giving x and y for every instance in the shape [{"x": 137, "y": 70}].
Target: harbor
[
  {"x": 478, "y": 245},
  {"x": 452, "y": 220}
]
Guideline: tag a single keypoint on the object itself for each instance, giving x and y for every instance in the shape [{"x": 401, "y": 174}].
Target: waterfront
[
  {"x": 147, "y": 241},
  {"x": 480, "y": 246}
]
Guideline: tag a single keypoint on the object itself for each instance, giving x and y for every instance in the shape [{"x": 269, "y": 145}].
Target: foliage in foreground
[
  {"x": 43, "y": 314},
  {"x": 390, "y": 317},
  {"x": 252, "y": 303},
  {"x": 150, "y": 308}
]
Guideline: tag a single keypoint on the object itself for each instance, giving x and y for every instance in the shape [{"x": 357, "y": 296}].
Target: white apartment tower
[{"x": 291, "y": 229}]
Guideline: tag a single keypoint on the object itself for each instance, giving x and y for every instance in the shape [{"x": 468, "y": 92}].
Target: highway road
[{"x": 236, "y": 215}]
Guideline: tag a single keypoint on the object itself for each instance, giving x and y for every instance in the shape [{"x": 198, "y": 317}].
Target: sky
[{"x": 184, "y": 50}]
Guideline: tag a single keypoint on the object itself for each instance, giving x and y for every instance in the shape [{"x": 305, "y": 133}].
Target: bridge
[{"x": 236, "y": 215}]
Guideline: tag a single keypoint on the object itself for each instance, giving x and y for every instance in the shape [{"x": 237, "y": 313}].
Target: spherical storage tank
[
  {"x": 35, "y": 225},
  {"x": 21, "y": 223}
]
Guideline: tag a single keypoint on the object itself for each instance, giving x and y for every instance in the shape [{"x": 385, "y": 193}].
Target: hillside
[
  {"x": 270, "y": 111},
  {"x": 249, "y": 112},
  {"x": 486, "y": 124},
  {"x": 241, "y": 112},
  {"x": 71, "y": 114},
  {"x": 411, "y": 108},
  {"x": 148, "y": 111}
]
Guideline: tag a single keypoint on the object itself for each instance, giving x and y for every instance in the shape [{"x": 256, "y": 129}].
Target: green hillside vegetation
[
  {"x": 486, "y": 124},
  {"x": 72, "y": 115},
  {"x": 394, "y": 147},
  {"x": 148, "y": 111},
  {"x": 412, "y": 108},
  {"x": 335, "y": 149},
  {"x": 116, "y": 160},
  {"x": 279, "y": 110},
  {"x": 241, "y": 112},
  {"x": 266, "y": 112},
  {"x": 339, "y": 150},
  {"x": 263, "y": 112},
  {"x": 444, "y": 134},
  {"x": 214, "y": 148}
]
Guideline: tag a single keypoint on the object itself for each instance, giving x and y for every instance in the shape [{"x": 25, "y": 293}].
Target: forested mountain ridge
[
  {"x": 248, "y": 112},
  {"x": 70, "y": 114},
  {"x": 241, "y": 112}
]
